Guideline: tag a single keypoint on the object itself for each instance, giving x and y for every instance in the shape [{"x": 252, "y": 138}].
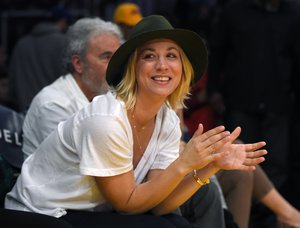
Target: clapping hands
[
  {"x": 217, "y": 147},
  {"x": 240, "y": 156}
]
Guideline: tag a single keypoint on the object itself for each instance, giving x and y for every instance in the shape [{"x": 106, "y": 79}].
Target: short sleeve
[{"x": 103, "y": 145}]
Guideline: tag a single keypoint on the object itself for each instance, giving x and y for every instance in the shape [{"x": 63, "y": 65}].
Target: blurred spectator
[
  {"x": 254, "y": 54},
  {"x": 5, "y": 98},
  {"x": 196, "y": 15},
  {"x": 127, "y": 15},
  {"x": 36, "y": 58},
  {"x": 198, "y": 108},
  {"x": 294, "y": 160}
]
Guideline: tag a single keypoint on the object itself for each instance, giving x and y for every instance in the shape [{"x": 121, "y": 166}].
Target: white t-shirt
[
  {"x": 54, "y": 103},
  {"x": 96, "y": 141}
]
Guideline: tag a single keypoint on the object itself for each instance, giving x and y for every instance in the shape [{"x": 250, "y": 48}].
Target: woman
[{"x": 121, "y": 152}]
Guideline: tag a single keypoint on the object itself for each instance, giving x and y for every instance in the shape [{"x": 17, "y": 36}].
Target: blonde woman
[{"x": 119, "y": 156}]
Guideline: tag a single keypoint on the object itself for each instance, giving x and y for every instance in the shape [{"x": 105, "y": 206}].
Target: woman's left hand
[{"x": 241, "y": 156}]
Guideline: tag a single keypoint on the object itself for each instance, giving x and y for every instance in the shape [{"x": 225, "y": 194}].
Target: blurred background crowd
[{"x": 18, "y": 17}]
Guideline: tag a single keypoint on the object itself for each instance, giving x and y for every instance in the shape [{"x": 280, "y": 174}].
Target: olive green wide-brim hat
[{"x": 154, "y": 27}]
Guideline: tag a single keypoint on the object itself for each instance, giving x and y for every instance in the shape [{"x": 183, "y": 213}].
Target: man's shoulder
[{"x": 53, "y": 93}]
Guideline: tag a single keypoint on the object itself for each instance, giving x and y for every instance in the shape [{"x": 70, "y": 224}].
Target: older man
[{"x": 90, "y": 45}]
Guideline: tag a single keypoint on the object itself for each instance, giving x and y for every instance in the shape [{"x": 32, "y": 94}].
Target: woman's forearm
[{"x": 187, "y": 187}]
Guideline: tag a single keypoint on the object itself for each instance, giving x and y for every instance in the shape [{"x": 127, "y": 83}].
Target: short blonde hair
[{"x": 127, "y": 88}]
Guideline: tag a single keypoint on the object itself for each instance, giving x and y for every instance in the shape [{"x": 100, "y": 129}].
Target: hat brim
[{"x": 191, "y": 43}]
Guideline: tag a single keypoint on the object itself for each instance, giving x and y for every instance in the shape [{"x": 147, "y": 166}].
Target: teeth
[{"x": 162, "y": 78}]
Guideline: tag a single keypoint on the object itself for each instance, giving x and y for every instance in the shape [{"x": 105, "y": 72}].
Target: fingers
[
  {"x": 247, "y": 168},
  {"x": 250, "y": 164},
  {"x": 202, "y": 136},
  {"x": 215, "y": 142},
  {"x": 217, "y": 155},
  {"x": 199, "y": 131},
  {"x": 254, "y": 146},
  {"x": 207, "y": 147},
  {"x": 256, "y": 154},
  {"x": 214, "y": 131},
  {"x": 209, "y": 138},
  {"x": 253, "y": 161},
  {"x": 235, "y": 134}
]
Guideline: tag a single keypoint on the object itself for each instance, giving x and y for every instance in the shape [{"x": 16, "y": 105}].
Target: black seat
[
  {"x": 11, "y": 156},
  {"x": 11, "y": 137}
]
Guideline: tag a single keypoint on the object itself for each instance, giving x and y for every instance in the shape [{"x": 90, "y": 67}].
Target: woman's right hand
[
  {"x": 241, "y": 156},
  {"x": 204, "y": 148}
]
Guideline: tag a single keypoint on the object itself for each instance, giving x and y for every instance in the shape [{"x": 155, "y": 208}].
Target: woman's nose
[{"x": 161, "y": 64}]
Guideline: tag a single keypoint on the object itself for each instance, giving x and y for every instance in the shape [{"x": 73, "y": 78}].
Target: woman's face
[{"x": 158, "y": 68}]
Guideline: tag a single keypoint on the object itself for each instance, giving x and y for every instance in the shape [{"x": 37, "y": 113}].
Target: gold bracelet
[{"x": 199, "y": 181}]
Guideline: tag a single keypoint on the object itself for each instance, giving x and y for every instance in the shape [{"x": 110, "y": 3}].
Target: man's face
[{"x": 99, "y": 52}]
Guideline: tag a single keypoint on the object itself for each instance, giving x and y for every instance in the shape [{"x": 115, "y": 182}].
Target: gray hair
[{"x": 79, "y": 35}]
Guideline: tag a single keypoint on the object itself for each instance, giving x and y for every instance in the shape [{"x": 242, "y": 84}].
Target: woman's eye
[
  {"x": 172, "y": 55},
  {"x": 149, "y": 56}
]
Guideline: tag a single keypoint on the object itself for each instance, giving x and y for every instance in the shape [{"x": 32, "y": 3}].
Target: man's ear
[{"x": 77, "y": 63}]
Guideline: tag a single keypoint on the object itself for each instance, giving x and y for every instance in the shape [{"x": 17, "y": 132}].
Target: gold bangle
[{"x": 198, "y": 180}]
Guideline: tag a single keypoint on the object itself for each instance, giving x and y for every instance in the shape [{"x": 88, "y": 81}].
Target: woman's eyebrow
[
  {"x": 147, "y": 49},
  {"x": 172, "y": 48},
  {"x": 153, "y": 49}
]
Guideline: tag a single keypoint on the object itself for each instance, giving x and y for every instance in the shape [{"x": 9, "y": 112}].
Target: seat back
[
  {"x": 11, "y": 137},
  {"x": 11, "y": 155}
]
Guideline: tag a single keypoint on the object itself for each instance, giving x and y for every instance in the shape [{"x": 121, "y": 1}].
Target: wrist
[
  {"x": 212, "y": 168},
  {"x": 206, "y": 172},
  {"x": 200, "y": 181}
]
